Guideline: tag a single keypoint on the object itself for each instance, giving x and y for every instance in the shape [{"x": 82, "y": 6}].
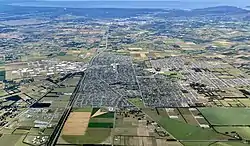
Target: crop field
[
  {"x": 217, "y": 103},
  {"x": 162, "y": 142},
  {"x": 21, "y": 131},
  {"x": 85, "y": 109},
  {"x": 173, "y": 113},
  {"x": 126, "y": 122},
  {"x": 100, "y": 125},
  {"x": 226, "y": 116},
  {"x": 64, "y": 90},
  {"x": 202, "y": 121},
  {"x": 72, "y": 81},
  {"x": 34, "y": 131},
  {"x": 123, "y": 140},
  {"x": 101, "y": 119},
  {"x": 87, "y": 125},
  {"x": 137, "y": 128},
  {"x": 246, "y": 102},
  {"x": 133, "y": 140},
  {"x": 184, "y": 131},
  {"x": 91, "y": 136},
  {"x": 162, "y": 112},
  {"x": 188, "y": 116},
  {"x": 224, "y": 103},
  {"x": 76, "y": 123},
  {"x": 243, "y": 132},
  {"x": 229, "y": 143},
  {"x": 234, "y": 103},
  {"x": 125, "y": 131},
  {"x": 9, "y": 140},
  {"x": 56, "y": 100},
  {"x": 3, "y": 92}
]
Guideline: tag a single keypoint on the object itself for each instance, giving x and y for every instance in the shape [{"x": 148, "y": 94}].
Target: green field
[
  {"x": 72, "y": 81},
  {"x": 9, "y": 140},
  {"x": 20, "y": 131},
  {"x": 137, "y": 102},
  {"x": 125, "y": 131},
  {"x": 85, "y": 109},
  {"x": 244, "y": 132},
  {"x": 100, "y": 125},
  {"x": 20, "y": 141},
  {"x": 92, "y": 136},
  {"x": 2, "y": 75},
  {"x": 226, "y": 116},
  {"x": 233, "y": 143},
  {"x": 183, "y": 131},
  {"x": 94, "y": 110},
  {"x": 2, "y": 93},
  {"x": 128, "y": 122},
  {"x": 101, "y": 120},
  {"x": 48, "y": 131}
]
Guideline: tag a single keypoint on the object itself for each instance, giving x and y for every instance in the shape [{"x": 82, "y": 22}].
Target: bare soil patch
[{"x": 77, "y": 123}]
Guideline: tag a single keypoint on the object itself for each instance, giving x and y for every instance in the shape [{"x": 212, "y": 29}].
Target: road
[{"x": 56, "y": 133}]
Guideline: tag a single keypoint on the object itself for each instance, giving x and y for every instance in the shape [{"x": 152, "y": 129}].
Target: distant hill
[{"x": 220, "y": 10}]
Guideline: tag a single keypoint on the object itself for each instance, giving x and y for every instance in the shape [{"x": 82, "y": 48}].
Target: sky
[
  {"x": 245, "y": 2},
  {"x": 241, "y": 1},
  {"x": 189, "y": 4},
  {"x": 234, "y": 2}
]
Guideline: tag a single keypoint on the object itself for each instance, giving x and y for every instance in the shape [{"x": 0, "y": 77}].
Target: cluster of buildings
[{"x": 49, "y": 68}]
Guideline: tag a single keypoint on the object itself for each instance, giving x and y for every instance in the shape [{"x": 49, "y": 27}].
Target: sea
[{"x": 185, "y": 5}]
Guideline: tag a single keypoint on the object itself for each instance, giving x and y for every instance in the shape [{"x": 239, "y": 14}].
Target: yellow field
[{"x": 77, "y": 123}]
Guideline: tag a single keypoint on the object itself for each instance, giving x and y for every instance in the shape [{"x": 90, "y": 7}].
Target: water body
[{"x": 187, "y": 5}]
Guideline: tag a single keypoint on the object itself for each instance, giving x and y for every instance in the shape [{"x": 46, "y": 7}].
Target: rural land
[{"x": 124, "y": 77}]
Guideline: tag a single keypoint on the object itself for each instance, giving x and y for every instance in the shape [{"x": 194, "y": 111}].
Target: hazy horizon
[{"x": 162, "y": 4}]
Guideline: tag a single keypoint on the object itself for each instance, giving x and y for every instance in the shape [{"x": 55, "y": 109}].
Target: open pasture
[
  {"x": 226, "y": 116},
  {"x": 243, "y": 132},
  {"x": 91, "y": 136}
]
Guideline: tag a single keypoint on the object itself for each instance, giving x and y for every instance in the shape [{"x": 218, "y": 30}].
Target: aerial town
[{"x": 136, "y": 77}]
